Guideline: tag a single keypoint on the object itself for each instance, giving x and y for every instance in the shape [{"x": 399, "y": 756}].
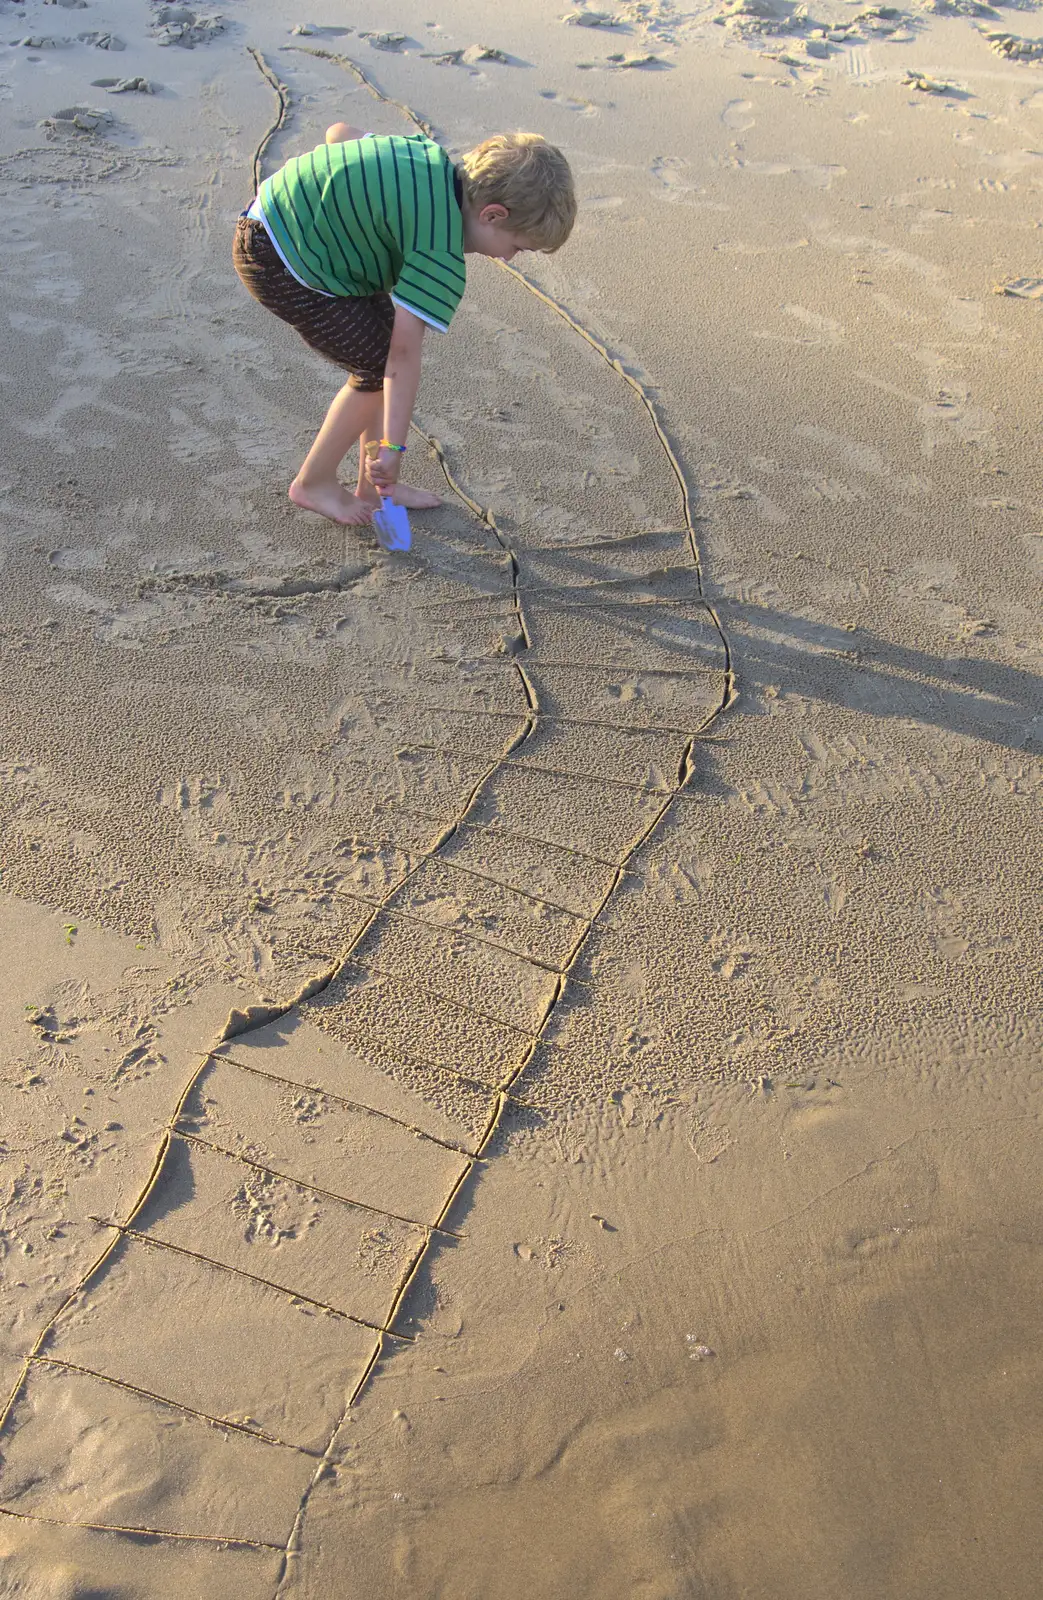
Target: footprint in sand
[
  {"x": 820, "y": 330},
  {"x": 731, "y": 961},
  {"x": 814, "y": 175},
  {"x": 474, "y": 55},
  {"x": 178, "y": 25},
  {"x": 568, "y": 102},
  {"x": 709, "y": 1142},
  {"x": 1015, "y": 48},
  {"x": 391, "y": 42},
  {"x": 125, "y": 85},
  {"x": 593, "y": 19},
  {"x": 37, "y": 41},
  {"x": 835, "y": 491},
  {"x": 102, "y": 41},
  {"x": 79, "y": 119},
  {"x": 736, "y": 115},
  {"x": 307, "y": 29},
  {"x": 672, "y": 172}
]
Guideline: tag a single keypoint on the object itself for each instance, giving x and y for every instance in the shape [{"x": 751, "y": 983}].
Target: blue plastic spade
[{"x": 391, "y": 523}]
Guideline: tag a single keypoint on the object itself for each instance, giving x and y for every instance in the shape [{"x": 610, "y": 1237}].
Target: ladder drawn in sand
[{"x": 199, "y": 1436}]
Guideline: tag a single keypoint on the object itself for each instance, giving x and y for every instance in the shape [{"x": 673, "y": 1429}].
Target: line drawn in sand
[{"x": 238, "y": 1143}]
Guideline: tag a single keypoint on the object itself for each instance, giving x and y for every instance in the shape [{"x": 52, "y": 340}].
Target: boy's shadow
[
  {"x": 646, "y": 588},
  {"x": 978, "y": 698}
]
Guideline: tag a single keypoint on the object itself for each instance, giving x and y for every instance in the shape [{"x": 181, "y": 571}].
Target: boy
[{"x": 360, "y": 246}]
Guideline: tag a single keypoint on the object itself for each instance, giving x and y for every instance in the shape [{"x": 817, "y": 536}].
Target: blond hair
[{"x": 530, "y": 178}]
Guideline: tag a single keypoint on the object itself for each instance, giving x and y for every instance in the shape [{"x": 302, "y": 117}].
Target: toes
[{"x": 345, "y": 510}]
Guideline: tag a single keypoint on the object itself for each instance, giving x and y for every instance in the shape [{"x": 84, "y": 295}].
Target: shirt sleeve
[{"x": 431, "y": 285}]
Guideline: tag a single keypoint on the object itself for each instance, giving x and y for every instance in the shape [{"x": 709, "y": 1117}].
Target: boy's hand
[{"x": 382, "y": 466}]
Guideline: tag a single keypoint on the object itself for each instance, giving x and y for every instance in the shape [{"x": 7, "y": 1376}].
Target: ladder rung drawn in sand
[{"x": 272, "y": 1223}]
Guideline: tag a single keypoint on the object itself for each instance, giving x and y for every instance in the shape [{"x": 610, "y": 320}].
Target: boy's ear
[{"x": 493, "y": 212}]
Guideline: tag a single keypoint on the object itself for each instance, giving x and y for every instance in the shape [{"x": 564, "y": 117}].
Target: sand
[{"x": 521, "y": 1064}]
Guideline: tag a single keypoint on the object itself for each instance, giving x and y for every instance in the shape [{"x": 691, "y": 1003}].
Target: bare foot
[
  {"x": 333, "y": 501},
  {"x": 403, "y": 494}
]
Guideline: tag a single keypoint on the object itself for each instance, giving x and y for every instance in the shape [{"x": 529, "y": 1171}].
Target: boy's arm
[{"x": 401, "y": 381}]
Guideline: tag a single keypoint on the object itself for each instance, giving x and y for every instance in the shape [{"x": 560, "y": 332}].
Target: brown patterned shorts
[{"x": 354, "y": 331}]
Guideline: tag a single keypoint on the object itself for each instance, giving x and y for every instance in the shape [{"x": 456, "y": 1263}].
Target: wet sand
[{"x": 523, "y": 1059}]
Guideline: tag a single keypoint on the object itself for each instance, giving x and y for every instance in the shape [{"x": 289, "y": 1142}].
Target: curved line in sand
[
  {"x": 685, "y": 766},
  {"x": 261, "y": 1016}
]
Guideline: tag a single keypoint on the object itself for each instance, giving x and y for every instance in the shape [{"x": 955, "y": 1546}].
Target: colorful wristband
[{"x": 385, "y": 444}]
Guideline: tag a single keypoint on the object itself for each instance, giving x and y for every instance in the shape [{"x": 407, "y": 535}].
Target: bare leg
[
  {"x": 353, "y": 415},
  {"x": 342, "y": 133},
  {"x": 403, "y": 494}
]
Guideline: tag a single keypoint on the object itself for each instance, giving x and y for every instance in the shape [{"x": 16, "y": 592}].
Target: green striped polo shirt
[{"x": 370, "y": 216}]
